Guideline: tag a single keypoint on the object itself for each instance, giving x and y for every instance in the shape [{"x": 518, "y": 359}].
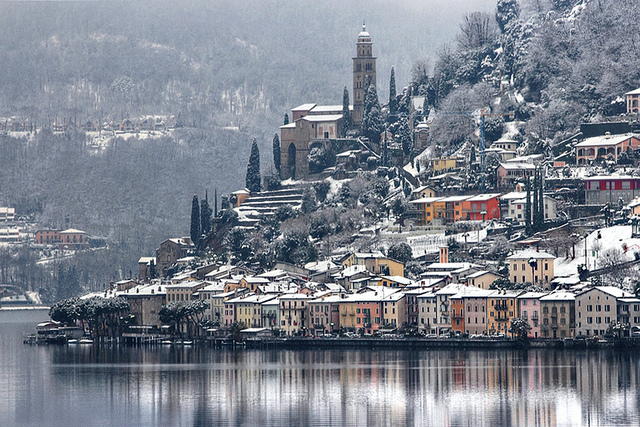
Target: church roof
[{"x": 363, "y": 34}]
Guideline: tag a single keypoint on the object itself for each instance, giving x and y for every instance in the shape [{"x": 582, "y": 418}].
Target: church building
[{"x": 314, "y": 126}]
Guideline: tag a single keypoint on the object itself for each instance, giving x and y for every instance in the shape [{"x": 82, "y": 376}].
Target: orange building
[{"x": 457, "y": 313}]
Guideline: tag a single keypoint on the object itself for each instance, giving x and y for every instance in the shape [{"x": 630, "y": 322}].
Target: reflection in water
[{"x": 72, "y": 385}]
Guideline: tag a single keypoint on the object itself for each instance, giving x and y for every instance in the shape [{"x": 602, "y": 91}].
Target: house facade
[
  {"x": 604, "y": 147},
  {"x": 532, "y": 266},
  {"x": 600, "y": 190}
]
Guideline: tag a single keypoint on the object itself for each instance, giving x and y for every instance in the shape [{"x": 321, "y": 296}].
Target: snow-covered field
[{"x": 616, "y": 237}]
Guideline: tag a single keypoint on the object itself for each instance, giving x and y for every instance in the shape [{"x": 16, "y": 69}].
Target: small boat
[
  {"x": 73, "y": 341},
  {"x": 86, "y": 341},
  {"x": 166, "y": 342},
  {"x": 187, "y": 342}
]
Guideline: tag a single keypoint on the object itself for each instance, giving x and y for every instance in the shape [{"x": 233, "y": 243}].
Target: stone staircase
[{"x": 267, "y": 202}]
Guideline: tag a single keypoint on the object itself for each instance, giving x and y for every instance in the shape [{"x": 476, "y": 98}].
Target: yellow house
[
  {"x": 501, "y": 309},
  {"x": 394, "y": 310},
  {"x": 426, "y": 209},
  {"x": 444, "y": 164},
  {"x": 347, "y": 309},
  {"x": 248, "y": 309},
  {"x": 375, "y": 262},
  {"x": 532, "y": 266}
]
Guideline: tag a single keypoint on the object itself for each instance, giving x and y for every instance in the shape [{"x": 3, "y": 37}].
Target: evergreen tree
[
  {"x": 253, "y": 181},
  {"x": 393, "y": 106},
  {"x": 346, "y": 114},
  {"x": 403, "y": 136},
  {"x": 534, "y": 209},
  {"x": 472, "y": 156},
  {"x": 527, "y": 211},
  {"x": 205, "y": 216},
  {"x": 286, "y": 119},
  {"x": 372, "y": 122},
  {"x": 276, "y": 152},
  {"x": 195, "y": 220},
  {"x": 540, "y": 190},
  {"x": 215, "y": 203}
]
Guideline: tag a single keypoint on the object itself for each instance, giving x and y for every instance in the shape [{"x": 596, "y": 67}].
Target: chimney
[{"x": 444, "y": 255}]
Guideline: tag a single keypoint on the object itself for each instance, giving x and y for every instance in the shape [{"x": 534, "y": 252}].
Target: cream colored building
[
  {"x": 294, "y": 313},
  {"x": 531, "y": 266},
  {"x": 596, "y": 308},
  {"x": 427, "y": 313}
]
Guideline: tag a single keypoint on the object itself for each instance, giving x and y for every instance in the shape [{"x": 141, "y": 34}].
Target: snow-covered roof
[
  {"x": 304, "y": 107},
  {"x": 425, "y": 200},
  {"x": 531, "y": 253},
  {"x": 483, "y": 197},
  {"x": 604, "y": 140},
  {"x": 532, "y": 295},
  {"x": 605, "y": 177},
  {"x": 634, "y": 92},
  {"x": 514, "y": 195},
  {"x": 559, "y": 296},
  {"x": 451, "y": 199},
  {"x": 328, "y": 108},
  {"x": 322, "y": 117},
  {"x": 72, "y": 231},
  {"x": 291, "y": 125},
  {"x": 399, "y": 279},
  {"x": 517, "y": 166}
]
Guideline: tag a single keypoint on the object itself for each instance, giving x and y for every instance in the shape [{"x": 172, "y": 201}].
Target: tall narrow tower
[{"x": 364, "y": 68}]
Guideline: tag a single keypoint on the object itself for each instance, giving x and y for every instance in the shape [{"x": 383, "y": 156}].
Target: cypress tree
[
  {"x": 393, "y": 106},
  {"x": 253, "y": 181},
  {"x": 372, "y": 123},
  {"x": 286, "y": 119},
  {"x": 535, "y": 215},
  {"x": 195, "y": 220},
  {"x": 527, "y": 211},
  {"x": 541, "y": 200},
  {"x": 215, "y": 203},
  {"x": 346, "y": 114},
  {"x": 276, "y": 152},
  {"x": 205, "y": 216}
]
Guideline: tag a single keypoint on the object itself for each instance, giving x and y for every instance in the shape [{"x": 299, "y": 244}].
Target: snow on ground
[
  {"x": 431, "y": 243},
  {"x": 336, "y": 185},
  {"x": 616, "y": 237},
  {"x": 423, "y": 158}
]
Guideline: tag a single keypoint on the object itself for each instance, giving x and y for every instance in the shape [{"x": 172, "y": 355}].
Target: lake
[{"x": 77, "y": 385}]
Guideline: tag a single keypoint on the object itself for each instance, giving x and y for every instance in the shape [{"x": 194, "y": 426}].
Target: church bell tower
[{"x": 364, "y": 70}]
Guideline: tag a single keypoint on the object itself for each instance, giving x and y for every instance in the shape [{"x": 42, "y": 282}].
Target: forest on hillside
[{"x": 552, "y": 63}]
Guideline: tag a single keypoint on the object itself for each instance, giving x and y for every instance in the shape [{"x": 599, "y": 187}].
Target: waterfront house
[
  {"x": 501, "y": 308},
  {"x": 474, "y": 306},
  {"x": 324, "y": 314},
  {"x": 557, "y": 315},
  {"x": 529, "y": 309},
  {"x": 145, "y": 302},
  {"x": 428, "y": 313},
  {"x": 596, "y": 307},
  {"x": 294, "y": 313},
  {"x": 394, "y": 310}
]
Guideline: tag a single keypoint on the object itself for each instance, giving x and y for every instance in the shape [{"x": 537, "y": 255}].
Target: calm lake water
[{"x": 115, "y": 385}]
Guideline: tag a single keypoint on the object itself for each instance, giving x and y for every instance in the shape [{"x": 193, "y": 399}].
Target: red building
[{"x": 482, "y": 207}]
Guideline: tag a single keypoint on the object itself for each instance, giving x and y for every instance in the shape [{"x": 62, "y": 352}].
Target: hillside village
[{"x": 364, "y": 229}]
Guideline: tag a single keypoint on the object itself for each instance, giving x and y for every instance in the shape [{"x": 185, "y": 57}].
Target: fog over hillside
[{"x": 212, "y": 65}]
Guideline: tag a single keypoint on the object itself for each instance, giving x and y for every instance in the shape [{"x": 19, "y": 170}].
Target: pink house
[{"x": 529, "y": 309}]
